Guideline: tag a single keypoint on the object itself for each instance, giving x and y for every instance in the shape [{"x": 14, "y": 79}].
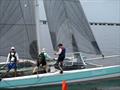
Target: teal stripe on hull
[{"x": 58, "y": 78}]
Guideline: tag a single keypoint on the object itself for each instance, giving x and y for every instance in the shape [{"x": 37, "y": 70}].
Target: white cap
[
  {"x": 12, "y": 48},
  {"x": 43, "y": 50}
]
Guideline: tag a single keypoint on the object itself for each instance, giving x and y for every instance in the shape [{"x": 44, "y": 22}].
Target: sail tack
[{"x": 68, "y": 25}]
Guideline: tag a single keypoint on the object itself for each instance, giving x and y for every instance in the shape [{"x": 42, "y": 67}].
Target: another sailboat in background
[{"x": 68, "y": 25}]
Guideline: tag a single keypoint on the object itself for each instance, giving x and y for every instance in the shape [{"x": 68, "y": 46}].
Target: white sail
[
  {"x": 43, "y": 35},
  {"x": 18, "y": 28},
  {"x": 68, "y": 25}
]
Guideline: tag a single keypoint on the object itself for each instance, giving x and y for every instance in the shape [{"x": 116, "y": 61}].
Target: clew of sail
[{"x": 68, "y": 25}]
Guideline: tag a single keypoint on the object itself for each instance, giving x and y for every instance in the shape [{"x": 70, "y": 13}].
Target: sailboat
[{"x": 67, "y": 24}]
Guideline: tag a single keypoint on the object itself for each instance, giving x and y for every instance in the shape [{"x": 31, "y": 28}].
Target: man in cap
[
  {"x": 12, "y": 60},
  {"x": 43, "y": 56}
]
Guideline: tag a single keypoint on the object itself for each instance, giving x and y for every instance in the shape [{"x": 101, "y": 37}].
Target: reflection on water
[{"x": 111, "y": 84}]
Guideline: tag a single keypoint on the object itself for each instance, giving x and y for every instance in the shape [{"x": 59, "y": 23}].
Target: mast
[
  {"x": 37, "y": 23},
  {"x": 43, "y": 35}
]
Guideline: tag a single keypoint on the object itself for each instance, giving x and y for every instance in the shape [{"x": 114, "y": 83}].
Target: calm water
[{"x": 112, "y": 84}]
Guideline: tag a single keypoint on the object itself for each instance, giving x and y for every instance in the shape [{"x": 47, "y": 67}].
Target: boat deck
[{"x": 26, "y": 68}]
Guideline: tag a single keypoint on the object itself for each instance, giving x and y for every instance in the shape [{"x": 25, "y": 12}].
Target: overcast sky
[
  {"x": 96, "y": 10},
  {"x": 102, "y": 10}
]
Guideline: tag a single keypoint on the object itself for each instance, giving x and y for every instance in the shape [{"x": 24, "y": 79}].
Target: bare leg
[
  {"x": 45, "y": 68},
  {"x": 35, "y": 70},
  {"x": 60, "y": 65},
  {"x": 6, "y": 73}
]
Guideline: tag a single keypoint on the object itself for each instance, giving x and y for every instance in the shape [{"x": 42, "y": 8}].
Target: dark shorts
[
  {"x": 12, "y": 66},
  {"x": 59, "y": 62},
  {"x": 41, "y": 62},
  {"x": 60, "y": 59}
]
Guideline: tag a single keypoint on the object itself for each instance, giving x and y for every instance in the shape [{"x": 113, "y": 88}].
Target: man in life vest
[
  {"x": 43, "y": 56},
  {"x": 61, "y": 56},
  {"x": 12, "y": 61}
]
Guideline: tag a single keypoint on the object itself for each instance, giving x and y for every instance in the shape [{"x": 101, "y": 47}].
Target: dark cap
[{"x": 60, "y": 44}]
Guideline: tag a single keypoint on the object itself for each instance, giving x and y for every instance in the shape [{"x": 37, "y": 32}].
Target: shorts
[
  {"x": 60, "y": 59},
  {"x": 12, "y": 66},
  {"x": 41, "y": 62}
]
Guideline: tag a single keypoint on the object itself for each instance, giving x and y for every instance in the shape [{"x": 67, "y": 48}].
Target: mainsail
[
  {"x": 68, "y": 25},
  {"x": 18, "y": 28}
]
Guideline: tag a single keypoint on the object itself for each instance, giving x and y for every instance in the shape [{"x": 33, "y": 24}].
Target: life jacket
[
  {"x": 12, "y": 56},
  {"x": 62, "y": 54},
  {"x": 42, "y": 56},
  {"x": 41, "y": 59}
]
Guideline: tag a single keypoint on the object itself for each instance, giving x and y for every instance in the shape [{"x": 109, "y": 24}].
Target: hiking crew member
[
  {"x": 42, "y": 61},
  {"x": 61, "y": 56},
  {"x": 12, "y": 60}
]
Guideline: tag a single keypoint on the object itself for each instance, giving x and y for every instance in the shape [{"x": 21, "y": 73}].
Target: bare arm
[
  {"x": 17, "y": 57},
  {"x": 59, "y": 51},
  {"x": 47, "y": 56},
  {"x": 8, "y": 58}
]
